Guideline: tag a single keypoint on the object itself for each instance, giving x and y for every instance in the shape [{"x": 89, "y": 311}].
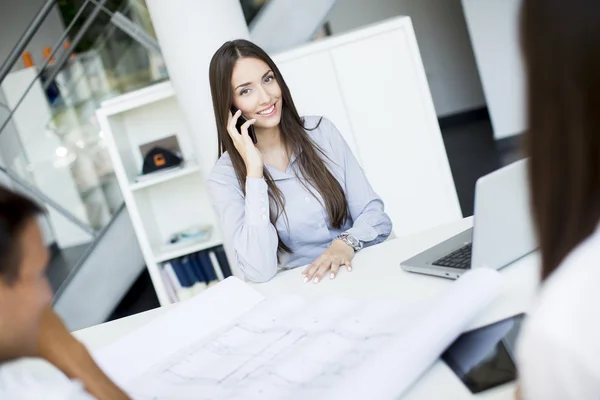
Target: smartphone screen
[
  {"x": 484, "y": 358},
  {"x": 241, "y": 121}
]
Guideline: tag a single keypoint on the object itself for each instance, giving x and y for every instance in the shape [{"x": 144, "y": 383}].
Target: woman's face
[{"x": 256, "y": 92}]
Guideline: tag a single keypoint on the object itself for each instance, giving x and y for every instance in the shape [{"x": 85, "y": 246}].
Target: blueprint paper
[
  {"x": 192, "y": 319},
  {"x": 432, "y": 331},
  {"x": 292, "y": 348}
]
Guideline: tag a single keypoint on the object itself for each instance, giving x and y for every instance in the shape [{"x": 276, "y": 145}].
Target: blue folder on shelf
[
  {"x": 198, "y": 267},
  {"x": 189, "y": 262},
  {"x": 184, "y": 278},
  {"x": 207, "y": 266}
]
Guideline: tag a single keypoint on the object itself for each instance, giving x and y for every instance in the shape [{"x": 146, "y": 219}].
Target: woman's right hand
[{"x": 244, "y": 145}]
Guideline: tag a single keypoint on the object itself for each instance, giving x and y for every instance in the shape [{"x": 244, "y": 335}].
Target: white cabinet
[{"x": 371, "y": 83}]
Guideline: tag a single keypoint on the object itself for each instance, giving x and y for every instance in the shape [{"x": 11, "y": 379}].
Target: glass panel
[
  {"x": 55, "y": 141},
  {"x": 50, "y": 141},
  {"x": 117, "y": 61},
  {"x": 65, "y": 260},
  {"x": 31, "y": 149}
]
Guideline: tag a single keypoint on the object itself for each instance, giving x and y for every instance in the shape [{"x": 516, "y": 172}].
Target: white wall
[
  {"x": 443, "y": 41},
  {"x": 494, "y": 30},
  {"x": 15, "y": 16},
  {"x": 10, "y": 145}
]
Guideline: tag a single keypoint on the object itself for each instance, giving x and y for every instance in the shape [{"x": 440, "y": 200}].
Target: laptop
[{"x": 502, "y": 230}]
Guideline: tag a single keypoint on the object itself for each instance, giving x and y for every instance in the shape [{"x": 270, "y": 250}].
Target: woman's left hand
[{"x": 336, "y": 255}]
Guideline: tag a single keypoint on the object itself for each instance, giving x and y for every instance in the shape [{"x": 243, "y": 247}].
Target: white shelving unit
[{"x": 170, "y": 202}]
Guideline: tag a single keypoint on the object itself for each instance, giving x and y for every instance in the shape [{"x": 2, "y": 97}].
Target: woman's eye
[
  {"x": 244, "y": 91},
  {"x": 269, "y": 78}
]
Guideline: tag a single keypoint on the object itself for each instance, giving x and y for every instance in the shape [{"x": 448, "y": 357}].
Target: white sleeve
[
  {"x": 551, "y": 369},
  {"x": 47, "y": 392},
  {"x": 19, "y": 383}
]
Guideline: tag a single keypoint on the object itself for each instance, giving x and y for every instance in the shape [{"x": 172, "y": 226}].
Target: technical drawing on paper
[{"x": 283, "y": 348}]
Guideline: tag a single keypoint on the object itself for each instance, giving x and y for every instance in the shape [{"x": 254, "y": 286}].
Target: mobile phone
[
  {"x": 485, "y": 357},
  {"x": 241, "y": 121}
]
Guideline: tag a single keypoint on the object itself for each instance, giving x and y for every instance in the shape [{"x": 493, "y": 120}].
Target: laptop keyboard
[{"x": 460, "y": 258}]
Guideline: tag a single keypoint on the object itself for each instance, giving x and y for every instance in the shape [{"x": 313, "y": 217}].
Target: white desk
[{"x": 376, "y": 274}]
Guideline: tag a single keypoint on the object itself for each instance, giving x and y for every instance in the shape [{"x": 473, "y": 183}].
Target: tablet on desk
[{"x": 485, "y": 357}]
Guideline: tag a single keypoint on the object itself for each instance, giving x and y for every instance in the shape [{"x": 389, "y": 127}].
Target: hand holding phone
[
  {"x": 241, "y": 121},
  {"x": 246, "y": 148}
]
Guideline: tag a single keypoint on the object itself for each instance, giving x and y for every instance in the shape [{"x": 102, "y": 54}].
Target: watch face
[{"x": 353, "y": 241}]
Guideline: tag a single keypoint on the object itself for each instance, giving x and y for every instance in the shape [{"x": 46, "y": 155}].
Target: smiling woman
[{"x": 295, "y": 197}]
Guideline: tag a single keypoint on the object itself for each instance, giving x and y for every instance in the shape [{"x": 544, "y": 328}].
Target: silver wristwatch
[{"x": 350, "y": 241}]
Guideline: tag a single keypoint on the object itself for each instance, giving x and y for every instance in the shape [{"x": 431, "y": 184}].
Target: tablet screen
[{"x": 484, "y": 358}]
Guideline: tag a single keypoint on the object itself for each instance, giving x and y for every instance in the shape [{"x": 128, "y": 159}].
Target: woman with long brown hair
[
  {"x": 559, "y": 349},
  {"x": 295, "y": 197}
]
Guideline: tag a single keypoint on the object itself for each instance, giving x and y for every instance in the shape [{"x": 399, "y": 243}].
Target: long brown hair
[
  {"x": 561, "y": 48},
  {"x": 310, "y": 159}
]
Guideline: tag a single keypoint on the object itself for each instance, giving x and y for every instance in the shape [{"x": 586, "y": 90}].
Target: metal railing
[
  {"x": 98, "y": 6},
  {"x": 7, "y": 66}
]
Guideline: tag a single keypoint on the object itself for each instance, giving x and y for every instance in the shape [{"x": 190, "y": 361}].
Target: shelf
[
  {"x": 190, "y": 168},
  {"x": 138, "y": 98},
  {"x": 182, "y": 250}
]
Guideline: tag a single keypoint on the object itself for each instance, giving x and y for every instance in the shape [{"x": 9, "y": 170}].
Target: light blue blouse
[{"x": 245, "y": 220}]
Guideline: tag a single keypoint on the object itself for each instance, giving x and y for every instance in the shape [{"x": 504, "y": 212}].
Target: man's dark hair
[{"x": 15, "y": 211}]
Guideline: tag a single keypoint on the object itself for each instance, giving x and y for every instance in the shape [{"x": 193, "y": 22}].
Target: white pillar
[{"x": 189, "y": 32}]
